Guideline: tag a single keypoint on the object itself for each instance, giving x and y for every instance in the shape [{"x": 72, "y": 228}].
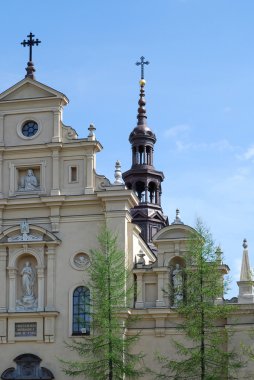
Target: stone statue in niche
[
  {"x": 29, "y": 182},
  {"x": 28, "y": 277},
  {"x": 27, "y": 280},
  {"x": 82, "y": 261},
  {"x": 177, "y": 279}
]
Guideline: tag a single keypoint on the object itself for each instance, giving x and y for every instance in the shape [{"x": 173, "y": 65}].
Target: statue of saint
[
  {"x": 177, "y": 278},
  {"x": 29, "y": 181},
  {"x": 28, "y": 277}
]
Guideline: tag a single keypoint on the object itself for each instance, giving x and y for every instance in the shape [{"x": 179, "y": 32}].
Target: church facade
[{"x": 52, "y": 207}]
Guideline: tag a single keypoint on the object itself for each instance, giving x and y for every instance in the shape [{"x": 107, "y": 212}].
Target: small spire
[
  {"x": 118, "y": 174},
  {"x": 91, "y": 130},
  {"x": 218, "y": 254},
  {"x": 246, "y": 288},
  {"x": 245, "y": 244},
  {"x": 246, "y": 274},
  {"x": 177, "y": 218},
  {"x": 30, "y": 66}
]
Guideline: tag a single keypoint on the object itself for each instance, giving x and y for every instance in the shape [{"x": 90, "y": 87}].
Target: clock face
[{"x": 30, "y": 128}]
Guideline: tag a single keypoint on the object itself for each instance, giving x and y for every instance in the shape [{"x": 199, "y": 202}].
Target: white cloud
[
  {"x": 180, "y": 129},
  {"x": 248, "y": 154},
  {"x": 220, "y": 145},
  {"x": 241, "y": 174}
]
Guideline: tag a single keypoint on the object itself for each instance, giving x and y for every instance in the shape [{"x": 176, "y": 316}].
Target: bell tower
[{"x": 142, "y": 177}]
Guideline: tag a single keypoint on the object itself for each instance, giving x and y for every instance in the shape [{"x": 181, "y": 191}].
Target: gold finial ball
[{"x": 142, "y": 82}]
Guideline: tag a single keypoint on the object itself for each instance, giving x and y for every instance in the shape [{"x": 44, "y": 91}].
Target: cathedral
[{"x": 52, "y": 207}]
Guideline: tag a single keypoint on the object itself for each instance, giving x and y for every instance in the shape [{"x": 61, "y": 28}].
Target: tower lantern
[{"x": 143, "y": 178}]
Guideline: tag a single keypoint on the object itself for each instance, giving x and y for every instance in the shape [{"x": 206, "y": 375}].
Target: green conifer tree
[
  {"x": 204, "y": 355},
  {"x": 106, "y": 355}
]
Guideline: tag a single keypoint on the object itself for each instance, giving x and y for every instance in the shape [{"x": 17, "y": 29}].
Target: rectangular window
[{"x": 73, "y": 174}]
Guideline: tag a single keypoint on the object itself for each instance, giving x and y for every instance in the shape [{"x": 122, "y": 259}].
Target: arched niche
[
  {"x": 27, "y": 282},
  {"x": 21, "y": 244},
  {"x": 176, "y": 260},
  {"x": 27, "y": 367}
]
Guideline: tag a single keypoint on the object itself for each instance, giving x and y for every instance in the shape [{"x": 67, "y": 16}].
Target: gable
[
  {"x": 30, "y": 89},
  {"x": 157, "y": 216},
  {"x": 174, "y": 231},
  {"x": 138, "y": 215}
]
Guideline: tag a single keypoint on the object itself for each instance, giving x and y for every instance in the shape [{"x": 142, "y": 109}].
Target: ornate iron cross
[
  {"x": 142, "y": 63},
  {"x": 30, "y": 42}
]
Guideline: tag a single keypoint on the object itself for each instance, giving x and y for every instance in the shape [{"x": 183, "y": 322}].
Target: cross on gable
[{"x": 30, "y": 42}]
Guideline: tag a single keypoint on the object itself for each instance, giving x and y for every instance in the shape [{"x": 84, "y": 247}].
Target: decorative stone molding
[
  {"x": 25, "y": 235},
  {"x": 16, "y": 169},
  {"x": 80, "y": 260},
  {"x": 36, "y": 246},
  {"x": 27, "y": 367}
]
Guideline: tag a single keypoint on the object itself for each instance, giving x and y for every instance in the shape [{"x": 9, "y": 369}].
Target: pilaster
[
  {"x": 57, "y": 126},
  {"x": 1, "y": 130},
  {"x": 50, "y": 294},
  {"x": 12, "y": 288},
  {"x": 89, "y": 175},
  {"x": 55, "y": 172},
  {"x": 3, "y": 293},
  {"x": 139, "y": 304},
  {"x": 1, "y": 174},
  {"x": 40, "y": 276},
  {"x": 160, "y": 301}
]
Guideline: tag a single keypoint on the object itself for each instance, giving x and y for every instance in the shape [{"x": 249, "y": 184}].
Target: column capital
[
  {"x": 12, "y": 272},
  {"x": 50, "y": 252}
]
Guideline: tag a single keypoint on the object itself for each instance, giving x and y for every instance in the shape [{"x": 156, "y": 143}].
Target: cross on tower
[
  {"x": 142, "y": 63},
  {"x": 30, "y": 42}
]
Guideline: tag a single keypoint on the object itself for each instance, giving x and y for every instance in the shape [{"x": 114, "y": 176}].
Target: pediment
[
  {"x": 174, "y": 232},
  {"x": 139, "y": 214},
  {"x": 157, "y": 216},
  {"x": 26, "y": 233},
  {"x": 28, "y": 89}
]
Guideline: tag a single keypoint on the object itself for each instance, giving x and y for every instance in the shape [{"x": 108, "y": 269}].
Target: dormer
[{"x": 31, "y": 112}]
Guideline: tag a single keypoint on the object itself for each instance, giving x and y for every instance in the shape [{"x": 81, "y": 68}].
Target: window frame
[{"x": 77, "y": 303}]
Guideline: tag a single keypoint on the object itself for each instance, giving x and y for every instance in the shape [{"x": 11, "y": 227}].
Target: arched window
[
  {"x": 140, "y": 191},
  {"x": 80, "y": 311}
]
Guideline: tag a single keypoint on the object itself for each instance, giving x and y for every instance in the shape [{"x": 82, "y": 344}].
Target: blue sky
[{"x": 200, "y": 94}]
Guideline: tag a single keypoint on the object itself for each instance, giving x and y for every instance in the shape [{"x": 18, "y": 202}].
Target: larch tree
[
  {"x": 106, "y": 353},
  {"x": 204, "y": 354}
]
